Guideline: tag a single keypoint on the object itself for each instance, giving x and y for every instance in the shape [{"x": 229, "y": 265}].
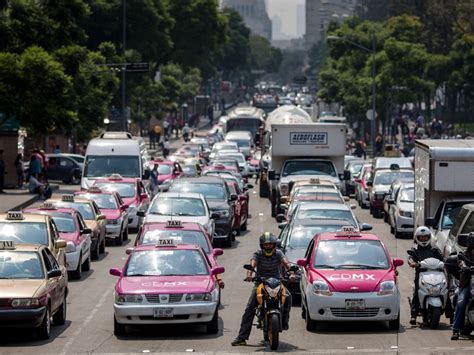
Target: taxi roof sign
[
  {"x": 94, "y": 189},
  {"x": 347, "y": 231},
  {"x": 7, "y": 244},
  {"x": 47, "y": 206},
  {"x": 115, "y": 177},
  {"x": 174, "y": 224},
  {"x": 166, "y": 242},
  {"x": 15, "y": 215},
  {"x": 314, "y": 181},
  {"x": 67, "y": 198}
]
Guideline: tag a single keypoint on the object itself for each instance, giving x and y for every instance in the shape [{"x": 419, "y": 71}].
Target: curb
[{"x": 31, "y": 200}]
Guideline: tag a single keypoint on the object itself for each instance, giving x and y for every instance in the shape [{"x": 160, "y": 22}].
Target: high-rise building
[
  {"x": 300, "y": 20},
  {"x": 254, "y": 13},
  {"x": 313, "y": 22},
  {"x": 277, "y": 28}
]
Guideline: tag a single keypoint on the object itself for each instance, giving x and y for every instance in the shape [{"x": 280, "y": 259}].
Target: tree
[{"x": 263, "y": 56}]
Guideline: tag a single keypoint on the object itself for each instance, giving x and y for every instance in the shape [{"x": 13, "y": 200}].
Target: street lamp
[{"x": 372, "y": 50}]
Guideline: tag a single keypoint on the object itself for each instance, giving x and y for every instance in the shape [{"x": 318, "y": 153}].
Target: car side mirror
[
  {"x": 280, "y": 218},
  {"x": 86, "y": 231},
  {"x": 115, "y": 272},
  {"x": 54, "y": 273},
  {"x": 365, "y": 227},
  {"x": 143, "y": 195},
  {"x": 282, "y": 225},
  {"x": 301, "y": 262},
  {"x": 100, "y": 217},
  {"x": 353, "y": 206},
  {"x": 397, "y": 262},
  {"x": 358, "y": 180},
  {"x": 217, "y": 270},
  {"x": 60, "y": 244},
  {"x": 217, "y": 252},
  {"x": 129, "y": 251},
  {"x": 346, "y": 198},
  {"x": 430, "y": 222},
  {"x": 124, "y": 207},
  {"x": 233, "y": 197},
  {"x": 141, "y": 213},
  {"x": 390, "y": 200},
  {"x": 370, "y": 183}
]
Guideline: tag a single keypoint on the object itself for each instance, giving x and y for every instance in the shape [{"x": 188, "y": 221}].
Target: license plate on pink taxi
[
  {"x": 355, "y": 304},
  {"x": 163, "y": 313}
]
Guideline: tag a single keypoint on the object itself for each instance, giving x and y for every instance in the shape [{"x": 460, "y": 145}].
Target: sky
[{"x": 286, "y": 10}]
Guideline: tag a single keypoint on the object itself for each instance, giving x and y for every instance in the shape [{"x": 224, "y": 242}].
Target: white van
[
  {"x": 244, "y": 140},
  {"x": 105, "y": 157}
]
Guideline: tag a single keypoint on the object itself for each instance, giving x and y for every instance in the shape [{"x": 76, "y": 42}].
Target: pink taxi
[
  {"x": 166, "y": 283},
  {"x": 73, "y": 230},
  {"x": 115, "y": 210},
  {"x": 133, "y": 193},
  {"x": 167, "y": 171},
  {"x": 349, "y": 276}
]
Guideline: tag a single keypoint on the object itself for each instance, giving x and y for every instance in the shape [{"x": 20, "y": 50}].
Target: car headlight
[
  {"x": 25, "y": 302},
  {"x": 386, "y": 288},
  {"x": 121, "y": 298},
  {"x": 273, "y": 292},
  {"x": 222, "y": 213},
  {"x": 321, "y": 288},
  {"x": 284, "y": 189},
  {"x": 406, "y": 214},
  {"x": 198, "y": 297},
  {"x": 114, "y": 221},
  {"x": 70, "y": 247}
]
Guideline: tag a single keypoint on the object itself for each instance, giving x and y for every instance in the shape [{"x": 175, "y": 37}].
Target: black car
[
  {"x": 221, "y": 203},
  {"x": 65, "y": 168}
]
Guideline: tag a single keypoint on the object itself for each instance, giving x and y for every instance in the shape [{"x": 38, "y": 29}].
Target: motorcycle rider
[
  {"x": 267, "y": 261},
  {"x": 424, "y": 250},
  {"x": 464, "y": 294}
]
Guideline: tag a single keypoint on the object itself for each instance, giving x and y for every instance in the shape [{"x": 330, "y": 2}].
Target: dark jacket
[{"x": 465, "y": 272}]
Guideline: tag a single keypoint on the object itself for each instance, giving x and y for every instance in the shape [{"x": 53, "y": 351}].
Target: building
[
  {"x": 254, "y": 13},
  {"x": 319, "y": 13},
  {"x": 277, "y": 26},
  {"x": 300, "y": 21}
]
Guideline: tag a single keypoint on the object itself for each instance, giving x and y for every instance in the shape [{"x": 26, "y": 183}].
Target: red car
[
  {"x": 133, "y": 193},
  {"x": 361, "y": 188},
  {"x": 241, "y": 206},
  {"x": 167, "y": 171},
  {"x": 115, "y": 210}
]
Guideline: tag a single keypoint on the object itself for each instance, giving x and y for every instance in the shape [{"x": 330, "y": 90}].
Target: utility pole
[{"x": 124, "y": 71}]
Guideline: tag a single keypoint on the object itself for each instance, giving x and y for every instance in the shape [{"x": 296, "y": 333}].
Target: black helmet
[{"x": 268, "y": 238}]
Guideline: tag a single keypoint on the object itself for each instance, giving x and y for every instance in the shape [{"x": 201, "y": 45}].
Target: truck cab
[{"x": 464, "y": 224}]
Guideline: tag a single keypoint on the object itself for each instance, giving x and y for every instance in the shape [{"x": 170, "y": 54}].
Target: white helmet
[{"x": 423, "y": 236}]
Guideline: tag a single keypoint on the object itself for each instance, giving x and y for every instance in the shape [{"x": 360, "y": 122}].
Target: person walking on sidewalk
[
  {"x": 154, "y": 180},
  {"x": 157, "y": 130},
  {"x": 152, "y": 136},
  {"x": 166, "y": 126},
  {"x": 20, "y": 170},
  {"x": 166, "y": 148},
  {"x": 210, "y": 113}
]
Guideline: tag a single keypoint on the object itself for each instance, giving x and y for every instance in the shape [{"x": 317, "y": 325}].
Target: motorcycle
[
  {"x": 432, "y": 290},
  {"x": 271, "y": 297}
]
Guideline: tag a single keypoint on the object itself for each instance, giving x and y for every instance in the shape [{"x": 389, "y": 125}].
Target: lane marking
[{"x": 89, "y": 318}]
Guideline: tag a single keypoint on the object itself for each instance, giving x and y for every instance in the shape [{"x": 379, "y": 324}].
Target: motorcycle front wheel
[
  {"x": 273, "y": 331},
  {"x": 434, "y": 317}
]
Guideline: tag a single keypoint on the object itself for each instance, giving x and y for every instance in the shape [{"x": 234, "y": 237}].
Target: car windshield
[
  {"x": 388, "y": 177},
  {"x": 214, "y": 191},
  {"x": 301, "y": 236},
  {"x": 102, "y": 166},
  {"x": 239, "y": 157},
  {"x": 189, "y": 169},
  {"x": 166, "y": 262},
  {"x": 243, "y": 124},
  {"x": 241, "y": 143},
  {"x": 407, "y": 195},
  {"x": 164, "y": 169},
  {"x": 179, "y": 237},
  {"x": 25, "y": 232},
  {"x": 78, "y": 158},
  {"x": 124, "y": 189},
  {"x": 451, "y": 211},
  {"x": 104, "y": 201},
  {"x": 218, "y": 147},
  {"x": 230, "y": 163},
  {"x": 85, "y": 209},
  {"x": 64, "y": 222},
  {"x": 177, "y": 206},
  {"x": 326, "y": 213},
  {"x": 20, "y": 265},
  {"x": 350, "y": 254},
  {"x": 355, "y": 168},
  {"x": 303, "y": 167}
]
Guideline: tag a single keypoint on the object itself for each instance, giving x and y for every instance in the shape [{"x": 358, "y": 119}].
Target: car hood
[
  {"x": 164, "y": 177},
  {"x": 353, "y": 280},
  {"x": 217, "y": 205},
  {"x": 380, "y": 189},
  {"x": 110, "y": 214},
  {"x": 165, "y": 284},
  {"x": 92, "y": 224},
  {"x": 202, "y": 220},
  {"x": 294, "y": 254},
  {"x": 407, "y": 206},
  {"x": 129, "y": 200},
  {"x": 19, "y": 288},
  {"x": 70, "y": 237}
]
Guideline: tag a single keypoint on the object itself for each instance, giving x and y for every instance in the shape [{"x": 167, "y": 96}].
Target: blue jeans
[{"x": 463, "y": 298}]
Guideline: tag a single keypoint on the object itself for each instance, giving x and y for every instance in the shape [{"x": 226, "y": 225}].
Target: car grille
[
  {"x": 179, "y": 316},
  {"x": 360, "y": 313},
  {"x": 173, "y": 298},
  {"x": 4, "y": 302}
]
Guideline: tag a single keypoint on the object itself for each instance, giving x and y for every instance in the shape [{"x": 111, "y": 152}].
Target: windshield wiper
[
  {"x": 327, "y": 266},
  {"x": 157, "y": 213},
  {"x": 361, "y": 266}
]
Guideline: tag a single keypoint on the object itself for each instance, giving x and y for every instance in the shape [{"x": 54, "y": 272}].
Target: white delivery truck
[
  {"x": 302, "y": 151},
  {"x": 444, "y": 182}
]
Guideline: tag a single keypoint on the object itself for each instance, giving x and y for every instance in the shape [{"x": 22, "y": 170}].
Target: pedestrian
[
  {"x": 44, "y": 169},
  {"x": 152, "y": 136},
  {"x": 20, "y": 170},
  {"x": 166, "y": 148},
  {"x": 34, "y": 166},
  {"x": 157, "y": 130},
  {"x": 378, "y": 145},
  {"x": 166, "y": 126},
  {"x": 360, "y": 149},
  {"x": 57, "y": 150},
  {"x": 154, "y": 179},
  {"x": 210, "y": 113},
  {"x": 2, "y": 172},
  {"x": 186, "y": 132}
]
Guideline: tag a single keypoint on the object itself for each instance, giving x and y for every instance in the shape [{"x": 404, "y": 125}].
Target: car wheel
[
  {"x": 244, "y": 226},
  {"x": 44, "y": 330},
  {"x": 228, "y": 241},
  {"x": 59, "y": 317},
  {"x": 212, "y": 327},
  {"x": 86, "y": 266},
  {"x": 125, "y": 234},
  {"x": 102, "y": 247},
  {"x": 119, "y": 329},
  {"x": 396, "y": 233},
  {"x": 394, "y": 324},
  {"x": 75, "y": 178},
  {"x": 95, "y": 252},
  {"x": 310, "y": 324},
  {"x": 77, "y": 274}
]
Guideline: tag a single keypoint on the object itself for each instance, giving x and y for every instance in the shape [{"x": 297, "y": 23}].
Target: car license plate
[
  {"x": 163, "y": 313},
  {"x": 355, "y": 304}
]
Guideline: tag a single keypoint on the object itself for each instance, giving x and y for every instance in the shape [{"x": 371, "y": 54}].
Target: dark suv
[{"x": 221, "y": 203}]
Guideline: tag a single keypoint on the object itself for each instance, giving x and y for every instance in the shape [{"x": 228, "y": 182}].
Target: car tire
[
  {"x": 125, "y": 234},
  {"x": 59, "y": 317},
  {"x": 396, "y": 233},
  {"x": 96, "y": 251},
  {"x": 75, "y": 178},
  {"x": 119, "y": 329},
  {"x": 394, "y": 324},
  {"x": 310, "y": 324},
  {"x": 273, "y": 204},
  {"x": 212, "y": 327},
  {"x": 102, "y": 247},
  {"x": 86, "y": 266},
  {"x": 77, "y": 274},
  {"x": 119, "y": 240},
  {"x": 44, "y": 330},
  {"x": 243, "y": 227},
  {"x": 385, "y": 217}
]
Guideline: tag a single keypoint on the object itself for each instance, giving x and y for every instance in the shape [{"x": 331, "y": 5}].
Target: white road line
[{"x": 89, "y": 318}]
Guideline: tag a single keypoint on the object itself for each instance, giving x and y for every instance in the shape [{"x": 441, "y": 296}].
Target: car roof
[
  {"x": 318, "y": 189},
  {"x": 76, "y": 199},
  {"x": 50, "y": 210},
  {"x": 118, "y": 181},
  {"x": 324, "y": 206},
  {"x": 199, "y": 180},
  {"x": 307, "y": 222},
  {"x": 177, "y": 246},
  {"x": 360, "y": 235},
  {"x": 27, "y": 217},
  {"x": 180, "y": 194},
  {"x": 26, "y": 247},
  {"x": 95, "y": 192},
  {"x": 189, "y": 226}
]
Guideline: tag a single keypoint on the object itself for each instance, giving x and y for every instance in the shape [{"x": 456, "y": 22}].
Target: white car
[
  {"x": 185, "y": 206},
  {"x": 325, "y": 210},
  {"x": 245, "y": 168},
  {"x": 220, "y": 146},
  {"x": 402, "y": 209}
]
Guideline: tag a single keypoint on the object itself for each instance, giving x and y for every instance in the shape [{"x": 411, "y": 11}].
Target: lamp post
[
  {"x": 373, "y": 123},
  {"x": 124, "y": 71}
]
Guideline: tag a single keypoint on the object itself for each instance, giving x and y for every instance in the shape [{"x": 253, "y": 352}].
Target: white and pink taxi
[
  {"x": 349, "y": 276},
  {"x": 166, "y": 283}
]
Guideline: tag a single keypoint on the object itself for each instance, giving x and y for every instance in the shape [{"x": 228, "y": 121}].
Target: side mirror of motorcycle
[
  {"x": 397, "y": 262},
  {"x": 248, "y": 267}
]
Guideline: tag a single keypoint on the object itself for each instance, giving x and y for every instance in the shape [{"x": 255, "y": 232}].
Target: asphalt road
[{"x": 89, "y": 328}]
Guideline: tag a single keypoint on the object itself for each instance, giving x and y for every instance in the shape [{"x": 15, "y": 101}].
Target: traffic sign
[{"x": 369, "y": 114}]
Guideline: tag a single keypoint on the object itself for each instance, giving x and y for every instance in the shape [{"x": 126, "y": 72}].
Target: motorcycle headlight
[
  {"x": 405, "y": 214},
  {"x": 198, "y": 297},
  {"x": 70, "y": 247},
  {"x": 321, "y": 288},
  {"x": 273, "y": 292},
  {"x": 284, "y": 189},
  {"x": 386, "y": 288},
  {"x": 121, "y": 298}
]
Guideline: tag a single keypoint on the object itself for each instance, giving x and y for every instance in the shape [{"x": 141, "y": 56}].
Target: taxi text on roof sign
[
  {"x": 7, "y": 244},
  {"x": 47, "y": 206},
  {"x": 174, "y": 224},
  {"x": 67, "y": 198},
  {"x": 347, "y": 231},
  {"x": 115, "y": 177},
  {"x": 15, "y": 215},
  {"x": 166, "y": 243},
  {"x": 94, "y": 189},
  {"x": 314, "y": 181}
]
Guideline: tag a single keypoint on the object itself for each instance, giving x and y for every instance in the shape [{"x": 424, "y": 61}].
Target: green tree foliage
[{"x": 263, "y": 56}]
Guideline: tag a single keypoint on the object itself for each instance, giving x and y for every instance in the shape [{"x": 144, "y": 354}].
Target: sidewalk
[{"x": 16, "y": 199}]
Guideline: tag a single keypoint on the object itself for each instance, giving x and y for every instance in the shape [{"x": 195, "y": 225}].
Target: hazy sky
[{"x": 286, "y": 10}]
